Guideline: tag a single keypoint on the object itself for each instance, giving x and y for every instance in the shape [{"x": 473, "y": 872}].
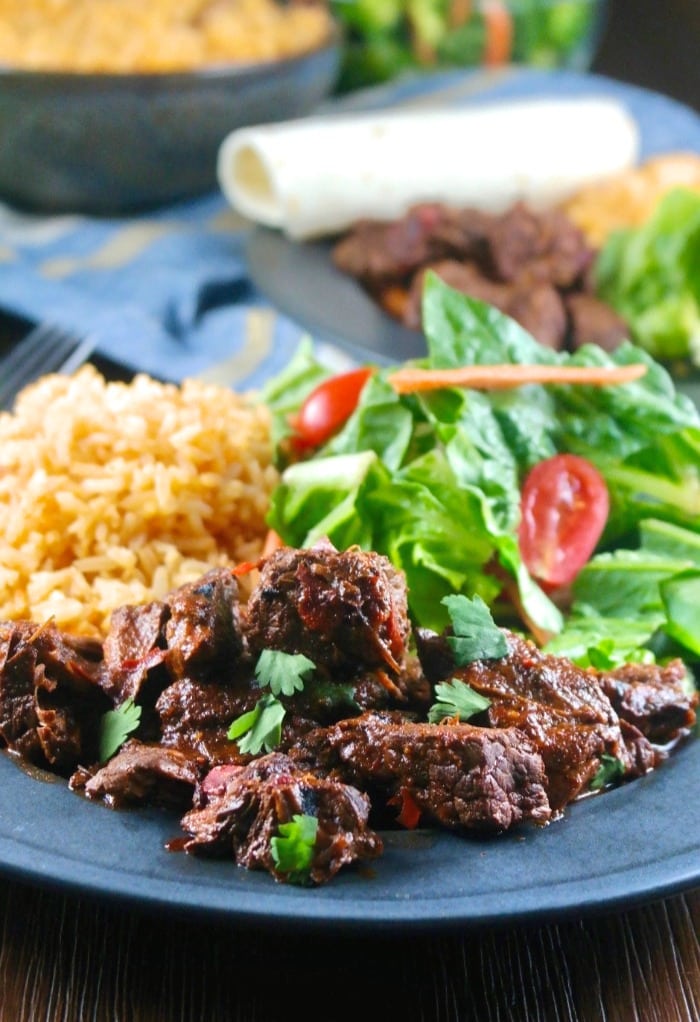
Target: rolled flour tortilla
[{"x": 316, "y": 176}]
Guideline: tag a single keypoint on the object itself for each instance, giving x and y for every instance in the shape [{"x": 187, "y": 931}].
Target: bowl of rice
[
  {"x": 117, "y": 493},
  {"x": 120, "y": 105}
]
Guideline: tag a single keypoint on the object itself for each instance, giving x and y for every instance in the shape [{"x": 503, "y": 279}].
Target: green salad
[
  {"x": 386, "y": 38},
  {"x": 436, "y": 481}
]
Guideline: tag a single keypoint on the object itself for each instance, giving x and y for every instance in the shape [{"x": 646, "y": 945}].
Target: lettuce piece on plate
[
  {"x": 628, "y": 602},
  {"x": 651, "y": 276}
]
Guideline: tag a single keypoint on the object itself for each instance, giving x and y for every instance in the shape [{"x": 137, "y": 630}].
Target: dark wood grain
[{"x": 65, "y": 958}]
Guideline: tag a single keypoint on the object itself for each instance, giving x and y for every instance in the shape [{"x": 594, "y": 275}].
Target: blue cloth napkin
[{"x": 166, "y": 292}]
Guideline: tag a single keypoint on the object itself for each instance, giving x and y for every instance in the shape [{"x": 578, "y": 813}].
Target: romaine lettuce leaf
[{"x": 651, "y": 276}]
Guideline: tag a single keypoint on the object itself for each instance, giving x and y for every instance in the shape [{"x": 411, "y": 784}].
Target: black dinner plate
[{"x": 634, "y": 843}]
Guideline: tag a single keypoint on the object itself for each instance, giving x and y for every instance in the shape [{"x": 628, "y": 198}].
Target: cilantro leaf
[
  {"x": 611, "y": 769},
  {"x": 456, "y": 699},
  {"x": 116, "y": 726},
  {"x": 476, "y": 636},
  {"x": 260, "y": 728},
  {"x": 293, "y": 850},
  {"x": 284, "y": 673}
]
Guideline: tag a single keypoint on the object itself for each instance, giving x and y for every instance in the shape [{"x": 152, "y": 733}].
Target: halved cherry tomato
[
  {"x": 564, "y": 508},
  {"x": 328, "y": 406}
]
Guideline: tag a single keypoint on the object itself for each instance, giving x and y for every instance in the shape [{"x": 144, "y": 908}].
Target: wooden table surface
[{"x": 66, "y": 958}]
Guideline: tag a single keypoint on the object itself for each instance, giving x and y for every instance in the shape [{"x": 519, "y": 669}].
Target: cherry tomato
[
  {"x": 564, "y": 508},
  {"x": 328, "y": 406}
]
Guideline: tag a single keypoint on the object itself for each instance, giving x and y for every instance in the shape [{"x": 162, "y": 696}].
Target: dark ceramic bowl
[{"x": 110, "y": 143}]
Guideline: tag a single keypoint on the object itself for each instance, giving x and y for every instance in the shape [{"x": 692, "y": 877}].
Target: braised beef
[
  {"x": 50, "y": 701},
  {"x": 354, "y": 746},
  {"x": 344, "y": 610},
  {"x": 594, "y": 322},
  {"x": 459, "y": 776},
  {"x": 141, "y": 772},
  {"x": 539, "y": 247},
  {"x": 658, "y": 700},
  {"x": 466, "y": 277},
  {"x": 539, "y": 308},
  {"x": 243, "y": 814},
  {"x": 534, "y": 266},
  {"x": 203, "y": 630},
  {"x": 134, "y": 652},
  {"x": 197, "y": 714},
  {"x": 195, "y": 632},
  {"x": 561, "y": 708}
]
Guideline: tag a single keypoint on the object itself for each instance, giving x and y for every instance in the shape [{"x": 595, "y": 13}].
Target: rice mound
[{"x": 115, "y": 493}]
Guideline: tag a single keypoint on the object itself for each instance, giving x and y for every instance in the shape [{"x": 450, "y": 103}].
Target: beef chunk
[
  {"x": 594, "y": 322},
  {"x": 466, "y": 277},
  {"x": 369, "y": 693},
  {"x": 134, "y": 651},
  {"x": 203, "y": 631},
  {"x": 242, "y": 812},
  {"x": 459, "y": 776},
  {"x": 539, "y": 309},
  {"x": 50, "y": 701},
  {"x": 144, "y": 773},
  {"x": 377, "y": 251},
  {"x": 195, "y": 631},
  {"x": 345, "y": 611},
  {"x": 561, "y": 708},
  {"x": 544, "y": 246},
  {"x": 196, "y": 715},
  {"x": 656, "y": 700},
  {"x": 537, "y": 306}
]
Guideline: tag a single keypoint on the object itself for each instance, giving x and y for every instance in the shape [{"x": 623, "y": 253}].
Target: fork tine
[
  {"x": 45, "y": 349},
  {"x": 80, "y": 354}
]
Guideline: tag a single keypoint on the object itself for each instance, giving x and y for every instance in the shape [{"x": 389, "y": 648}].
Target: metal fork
[{"x": 45, "y": 349}]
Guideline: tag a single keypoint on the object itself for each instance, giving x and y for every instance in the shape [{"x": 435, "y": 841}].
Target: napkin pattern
[{"x": 166, "y": 292}]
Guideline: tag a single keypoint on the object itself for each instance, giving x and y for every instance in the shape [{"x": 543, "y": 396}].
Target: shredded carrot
[
  {"x": 459, "y": 13},
  {"x": 244, "y": 568},
  {"x": 505, "y": 377},
  {"x": 386, "y": 682},
  {"x": 273, "y": 541},
  {"x": 394, "y": 299},
  {"x": 498, "y": 22}
]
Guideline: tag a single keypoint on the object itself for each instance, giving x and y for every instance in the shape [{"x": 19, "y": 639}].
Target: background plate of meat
[{"x": 349, "y": 306}]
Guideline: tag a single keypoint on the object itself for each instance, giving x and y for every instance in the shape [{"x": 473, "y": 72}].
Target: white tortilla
[{"x": 316, "y": 176}]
